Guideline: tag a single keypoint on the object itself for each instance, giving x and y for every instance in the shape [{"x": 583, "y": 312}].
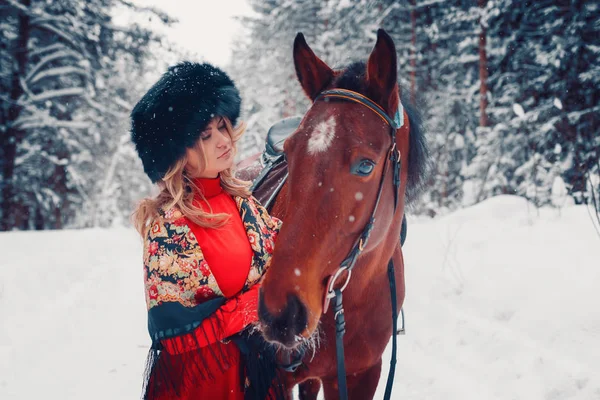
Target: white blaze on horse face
[{"x": 322, "y": 136}]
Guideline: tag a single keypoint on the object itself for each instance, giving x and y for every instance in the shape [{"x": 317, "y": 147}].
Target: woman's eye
[
  {"x": 363, "y": 168},
  {"x": 221, "y": 127},
  {"x": 206, "y": 136}
]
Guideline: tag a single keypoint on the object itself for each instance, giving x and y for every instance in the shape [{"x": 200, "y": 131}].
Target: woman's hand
[
  {"x": 248, "y": 303},
  {"x": 235, "y": 315}
]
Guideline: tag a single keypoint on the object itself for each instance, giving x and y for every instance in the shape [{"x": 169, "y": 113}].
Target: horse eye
[{"x": 363, "y": 168}]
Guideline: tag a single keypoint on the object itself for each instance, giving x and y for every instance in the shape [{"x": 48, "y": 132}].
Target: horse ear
[
  {"x": 312, "y": 73},
  {"x": 382, "y": 73}
]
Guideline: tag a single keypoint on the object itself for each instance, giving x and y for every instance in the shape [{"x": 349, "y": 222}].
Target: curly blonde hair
[{"x": 178, "y": 190}]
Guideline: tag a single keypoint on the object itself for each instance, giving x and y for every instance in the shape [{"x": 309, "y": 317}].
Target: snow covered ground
[{"x": 502, "y": 302}]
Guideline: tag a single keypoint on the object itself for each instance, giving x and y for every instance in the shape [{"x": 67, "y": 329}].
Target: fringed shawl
[{"x": 181, "y": 295}]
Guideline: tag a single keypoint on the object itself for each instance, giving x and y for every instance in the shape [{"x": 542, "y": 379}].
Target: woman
[{"x": 207, "y": 242}]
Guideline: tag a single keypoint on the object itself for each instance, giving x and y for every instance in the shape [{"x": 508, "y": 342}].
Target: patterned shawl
[{"x": 181, "y": 292}]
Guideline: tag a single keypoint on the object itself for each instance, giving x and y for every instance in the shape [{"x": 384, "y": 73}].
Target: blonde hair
[{"x": 177, "y": 189}]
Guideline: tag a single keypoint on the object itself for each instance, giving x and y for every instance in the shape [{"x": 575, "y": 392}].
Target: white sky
[{"x": 205, "y": 27}]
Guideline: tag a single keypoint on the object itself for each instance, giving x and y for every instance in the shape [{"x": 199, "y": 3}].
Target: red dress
[{"x": 228, "y": 253}]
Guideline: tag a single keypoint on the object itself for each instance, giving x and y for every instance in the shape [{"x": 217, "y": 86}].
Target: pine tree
[
  {"x": 264, "y": 68},
  {"x": 541, "y": 99},
  {"x": 508, "y": 90},
  {"x": 60, "y": 99}
]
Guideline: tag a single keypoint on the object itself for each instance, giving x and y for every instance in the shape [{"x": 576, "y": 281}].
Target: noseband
[{"x": 347, "y": 265}]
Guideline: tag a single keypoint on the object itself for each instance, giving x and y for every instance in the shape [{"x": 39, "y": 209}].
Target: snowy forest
[{"x": 509, "y": 92}]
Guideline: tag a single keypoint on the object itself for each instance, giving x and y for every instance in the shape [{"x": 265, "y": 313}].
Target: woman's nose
[{"x": 224, "y": 139}]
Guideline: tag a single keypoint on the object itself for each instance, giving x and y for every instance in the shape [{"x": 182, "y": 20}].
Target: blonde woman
[{"x": 207, "y": 242}]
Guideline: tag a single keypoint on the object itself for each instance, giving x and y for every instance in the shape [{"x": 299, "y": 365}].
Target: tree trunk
[
  {"x": 483, "y": 70},
  {"x": 59, "y": 184},
  {"x": 413, "y": 57},
  {"x": 13, "y": 136}
]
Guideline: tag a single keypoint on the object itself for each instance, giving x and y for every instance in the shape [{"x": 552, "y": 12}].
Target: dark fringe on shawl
[
  {"x": 167, "y": 375},
  {"x": 260, "y": 367}
]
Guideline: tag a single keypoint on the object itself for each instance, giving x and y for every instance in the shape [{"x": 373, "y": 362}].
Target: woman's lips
[{"x": 226, "y": 154}]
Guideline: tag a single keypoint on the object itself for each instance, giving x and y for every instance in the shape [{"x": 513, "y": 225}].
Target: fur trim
[{"x": 170, "y": 116}]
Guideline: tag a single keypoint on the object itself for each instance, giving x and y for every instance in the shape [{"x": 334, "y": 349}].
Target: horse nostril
[{"x": 290, "y": 322}]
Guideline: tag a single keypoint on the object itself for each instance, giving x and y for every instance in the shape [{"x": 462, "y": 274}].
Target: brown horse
[{"x": 338, "y": 161}]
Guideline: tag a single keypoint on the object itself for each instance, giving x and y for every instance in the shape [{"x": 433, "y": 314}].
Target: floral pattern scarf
[{"x": 181, "y": 291}]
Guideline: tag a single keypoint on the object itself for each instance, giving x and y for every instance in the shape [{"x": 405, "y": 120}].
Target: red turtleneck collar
[
  {"x": 210, "y": 187},
  {"x": 226, "y": 250}
]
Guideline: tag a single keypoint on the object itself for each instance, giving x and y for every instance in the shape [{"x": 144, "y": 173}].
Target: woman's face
[{"x": 218, "y": 151}]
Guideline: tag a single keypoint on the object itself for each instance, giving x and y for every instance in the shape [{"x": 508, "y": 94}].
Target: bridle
[{"x": 394, "y": 161}]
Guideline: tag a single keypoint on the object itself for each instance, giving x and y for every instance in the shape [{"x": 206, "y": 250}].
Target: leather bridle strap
[
  {"x": 349, "y": 262},
  {"x": 340, "y": 330},
  {"x": 363, "y": 239},
  {"x": 356, "y": 97},
  {"x": 393, "y": 158},
  {"x": 391, "y": 373},
  {"x": 396, "y": 123}
]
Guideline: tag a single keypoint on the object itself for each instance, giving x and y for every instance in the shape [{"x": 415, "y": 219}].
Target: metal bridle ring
[{"x": 334, "y": 278}]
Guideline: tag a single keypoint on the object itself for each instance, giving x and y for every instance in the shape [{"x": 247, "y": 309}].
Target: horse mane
[{"x": 353, "y": 78}]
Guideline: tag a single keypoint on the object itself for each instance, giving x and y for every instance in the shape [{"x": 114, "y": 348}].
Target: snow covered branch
[
  {"x": 164, "y": 17},
  {"x": 44, "y": 49},
  {"x": 51, "y": 94},
  {"x": 106, "y": 110},
  {"x": 48, "y": 122},
  {"x": 62, "y": 52},
  {"x": 18, "y": 5},
  {"x": 123, "y": 103},
  {"x": 71, "y": 40},
  {"x": 58, "y": 71}
]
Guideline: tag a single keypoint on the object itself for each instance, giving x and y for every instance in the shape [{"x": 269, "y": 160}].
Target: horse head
[{"x": 339, "y": 169}]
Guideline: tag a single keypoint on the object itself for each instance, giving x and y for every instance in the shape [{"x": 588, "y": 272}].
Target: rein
[{"x": 347, "y": 265}]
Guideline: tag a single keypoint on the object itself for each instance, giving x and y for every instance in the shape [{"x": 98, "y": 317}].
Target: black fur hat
[{"x": 173, "y": 113}]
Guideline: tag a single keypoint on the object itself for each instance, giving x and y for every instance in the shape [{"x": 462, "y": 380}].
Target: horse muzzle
[{"x": 287, "y": 326}]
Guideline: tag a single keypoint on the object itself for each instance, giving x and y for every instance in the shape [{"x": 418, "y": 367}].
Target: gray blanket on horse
[{"x": 269, "y": 175}]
